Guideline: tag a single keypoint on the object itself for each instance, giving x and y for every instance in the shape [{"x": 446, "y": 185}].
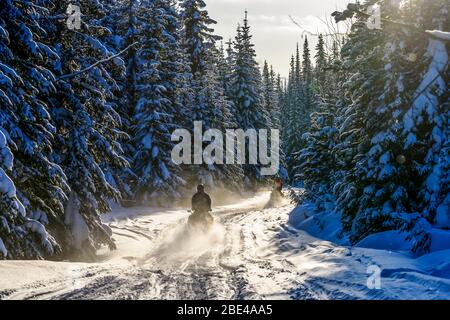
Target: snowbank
[
  {"x": 389, "y": 240},
  {"x": 327, "y": 226},
  {"x": 301, "y": 214},
  {"x": 397, "y": 241},
  {"x": 443, "y": 214}
]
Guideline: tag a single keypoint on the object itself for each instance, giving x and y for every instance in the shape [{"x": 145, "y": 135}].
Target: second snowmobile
[{"x": 276, "y": 196}]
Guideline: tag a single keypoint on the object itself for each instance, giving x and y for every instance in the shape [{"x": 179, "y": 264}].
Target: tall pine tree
[{"x": 246, "y": 90}]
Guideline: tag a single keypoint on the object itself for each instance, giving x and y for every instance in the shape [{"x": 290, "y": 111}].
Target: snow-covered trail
[
  {"x": 156, "y": 259},
  {"x": 251, "y": 253}
]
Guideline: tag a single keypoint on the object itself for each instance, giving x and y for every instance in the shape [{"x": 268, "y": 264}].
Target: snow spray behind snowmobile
[{"x": 276, "y": 196}]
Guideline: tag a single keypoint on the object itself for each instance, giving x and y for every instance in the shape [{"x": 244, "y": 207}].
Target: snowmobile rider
[
  {"x": 278, "y": 185},
  {"x": 201, "y": 201}
]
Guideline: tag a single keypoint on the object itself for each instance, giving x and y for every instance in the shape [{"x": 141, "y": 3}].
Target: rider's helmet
[
  {"x": 278, "y": 183},
  {"x": 200, "y": 188}
]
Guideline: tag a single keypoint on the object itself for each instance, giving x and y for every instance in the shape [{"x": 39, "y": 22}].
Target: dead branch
[
  {"x": 71, "y": 75},
  {"x": 314, "y": 34}
]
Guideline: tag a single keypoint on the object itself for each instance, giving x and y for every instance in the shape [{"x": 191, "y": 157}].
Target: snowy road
[{"x": 251, "y": 253}]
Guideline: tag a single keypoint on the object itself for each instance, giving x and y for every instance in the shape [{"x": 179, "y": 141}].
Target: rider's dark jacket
[{"x": 201, "y": 203}]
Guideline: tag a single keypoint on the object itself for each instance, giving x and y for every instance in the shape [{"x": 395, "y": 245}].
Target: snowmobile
[{"x": 200, "y": 221}]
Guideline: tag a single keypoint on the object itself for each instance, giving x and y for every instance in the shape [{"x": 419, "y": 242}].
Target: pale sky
[{"x": 274, "y": 34}]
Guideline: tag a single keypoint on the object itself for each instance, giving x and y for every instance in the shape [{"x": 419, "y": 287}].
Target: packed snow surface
[{"x": 250, "y": 253}]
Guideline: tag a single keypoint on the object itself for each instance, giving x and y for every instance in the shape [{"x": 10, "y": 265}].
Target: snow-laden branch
[
  {"x": 439, "y": 34},
  {"x": 430, "y": 83},
  {"x": 71, "y": 75},
  {"x": 32, "y": 5}
]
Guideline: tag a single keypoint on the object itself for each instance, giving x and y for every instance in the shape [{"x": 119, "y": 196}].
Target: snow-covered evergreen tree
[
  {"x": 318, "y": 165},
  {"x": 426, "y": 123},
  {"x": 321, "y": 60},
  {"x": 246, "y": 90},
  {"x": 121, "y": 21},
  {"x": 209, "y": 104},
  {"x": 21, "y": 237},
  {"x": 270, "y": 96},
  {"x": 224, "y": 116},
  {"x": 300, "y": 104},
  {"x": 308, "y": 102},
  {"x": 25, "y": 82},
  {"x": 225, "y": 59},
  {"x": 87, "y": 143},
  {"x": 275, "y": 85},
  {"x": 267, "y": 91},
  {"x": 291, "y": 116},
  {"x": 280, "y": 97},
  {"x": 394, "y": 125},
  {"x": 230, "y": 61},
  {"x": 199, "y": 38},
  {"x": 159, "y": 108}
]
